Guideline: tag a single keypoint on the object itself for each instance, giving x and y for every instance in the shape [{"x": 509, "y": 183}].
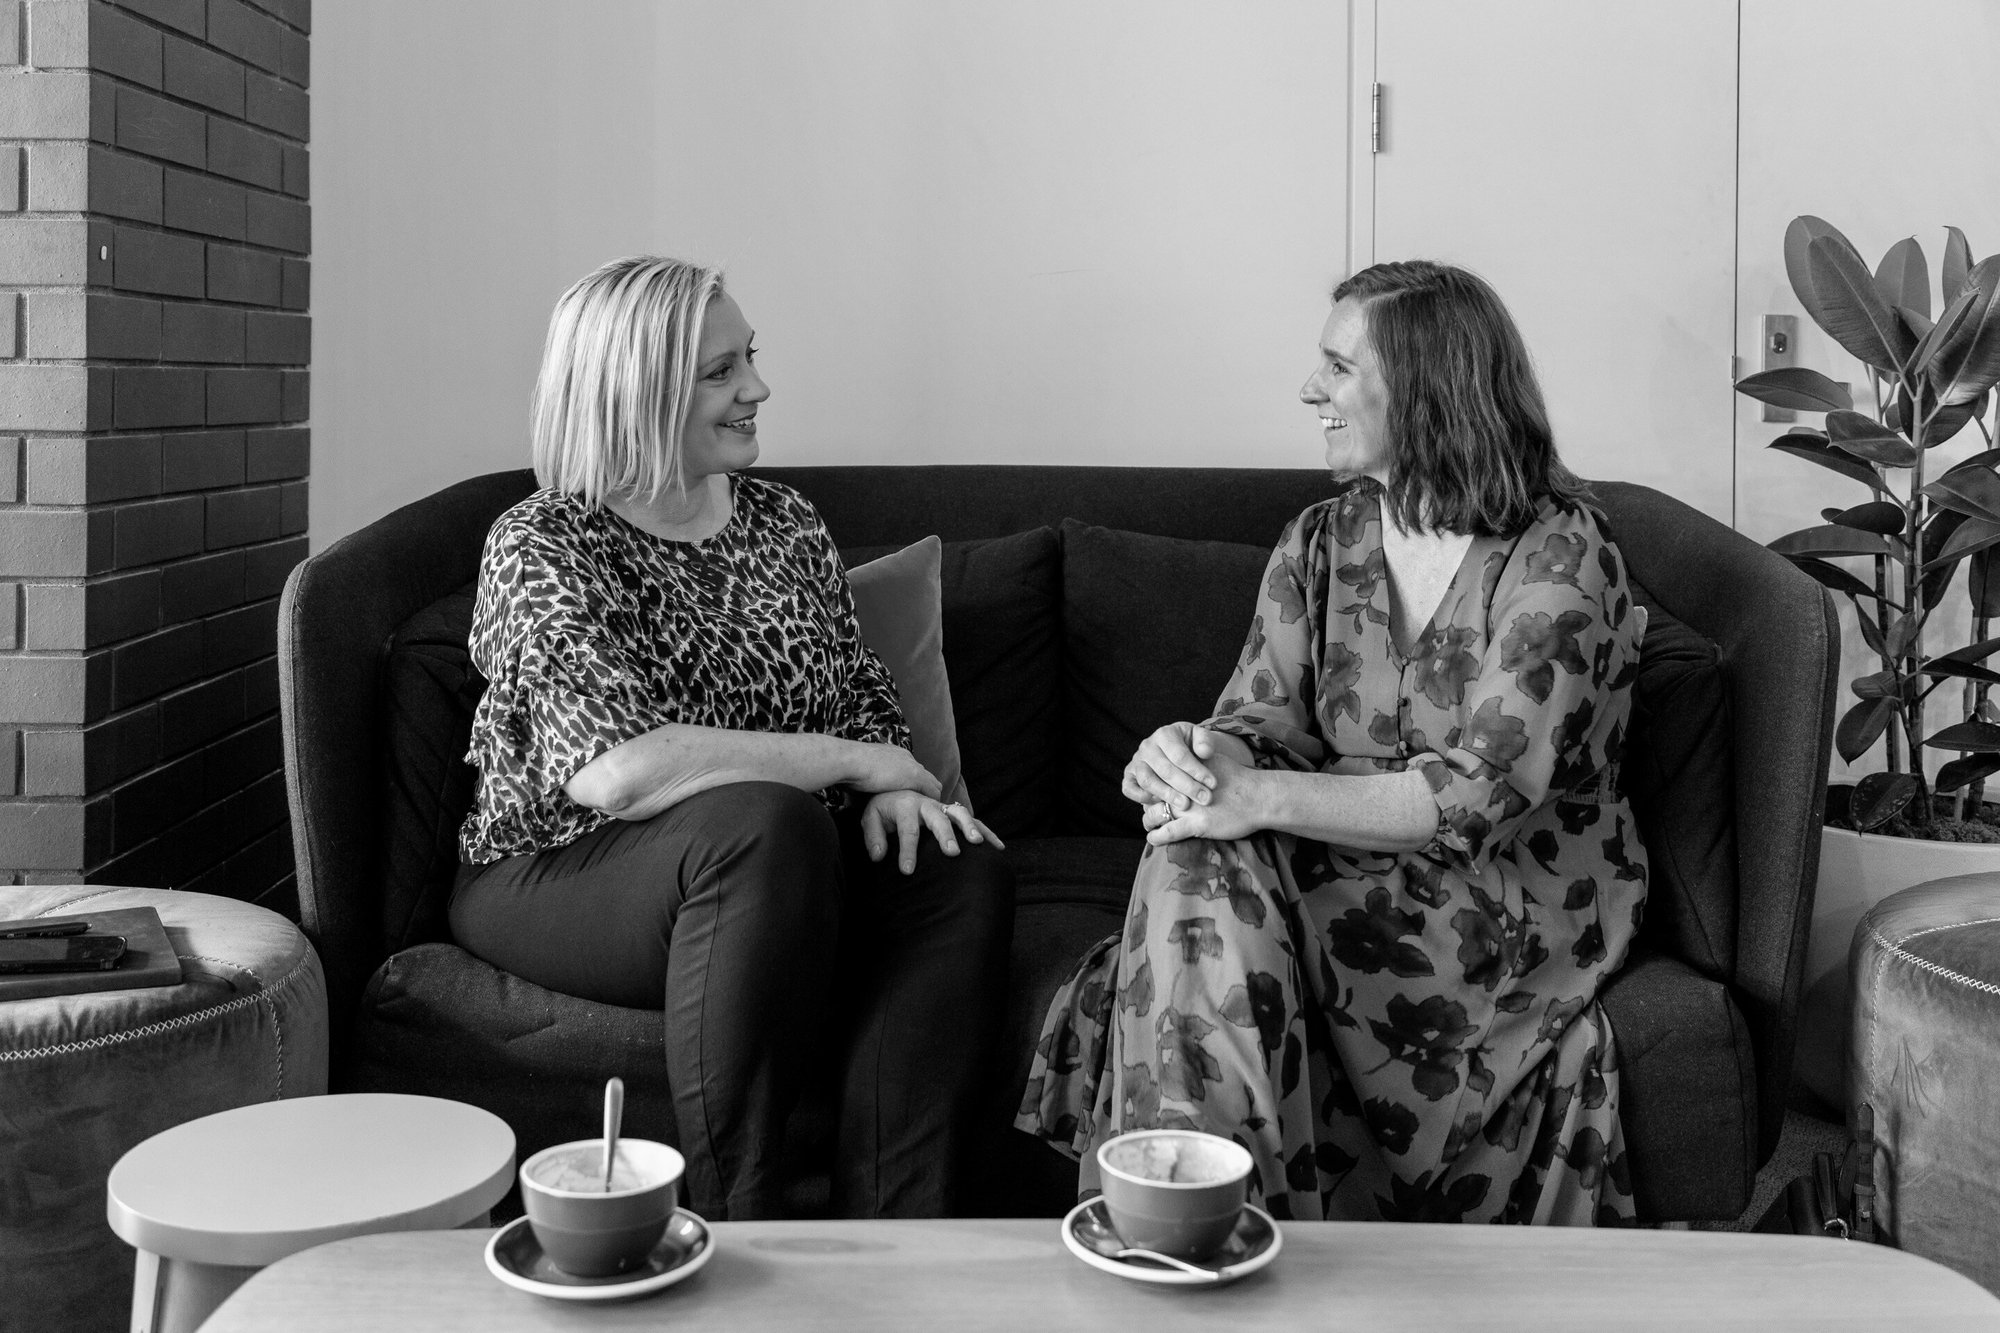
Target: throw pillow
[
  {"x": 1153, "y": 627},
  {"x": 1003, "y": 652},
  {"x": 897, "y": 599}
]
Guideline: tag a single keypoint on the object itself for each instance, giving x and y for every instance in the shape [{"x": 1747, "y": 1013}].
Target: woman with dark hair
[
  {"x": 693, "y": 772},
  {"x": 1385, "y": 882}
]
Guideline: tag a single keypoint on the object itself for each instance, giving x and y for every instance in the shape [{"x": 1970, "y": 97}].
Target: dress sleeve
[
  {"x": 560, "y": 691},
  {"x": 1270, "y": 700},
  {"x": 868, "y": 707},
  {"x": 1545, "y": 713}
]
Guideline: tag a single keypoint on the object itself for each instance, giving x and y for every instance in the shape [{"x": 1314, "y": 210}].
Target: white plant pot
[{"x": 1856, "y": 871}]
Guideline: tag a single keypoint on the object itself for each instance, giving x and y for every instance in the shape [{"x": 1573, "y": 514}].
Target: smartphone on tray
[{"x": 66, "y": 953}]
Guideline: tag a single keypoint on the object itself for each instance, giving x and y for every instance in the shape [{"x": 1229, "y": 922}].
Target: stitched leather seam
[
  {"x": 165, "y": 1025},
  {"x": 1986, "y": 987},
  {"x": 220, "y": 962},
  {"x": 1955, "y": 925}
]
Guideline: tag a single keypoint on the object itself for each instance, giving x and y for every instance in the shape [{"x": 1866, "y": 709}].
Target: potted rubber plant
[{"x": 1918, "y": 530}]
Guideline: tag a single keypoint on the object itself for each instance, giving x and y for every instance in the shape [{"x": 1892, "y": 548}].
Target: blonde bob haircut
[{"x": 618, "y": 371}]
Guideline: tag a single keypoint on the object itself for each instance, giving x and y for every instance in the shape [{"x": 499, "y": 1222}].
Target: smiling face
[
  {"x": 1351, "y": 396},
  {"x": 720, "y": 434}
]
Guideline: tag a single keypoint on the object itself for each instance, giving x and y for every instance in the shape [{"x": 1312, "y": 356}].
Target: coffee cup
[
  {"x": 587, "y": 1230},
  {"x": 1176, "y": 1191}
]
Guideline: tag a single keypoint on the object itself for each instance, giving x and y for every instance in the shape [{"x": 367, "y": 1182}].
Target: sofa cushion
[
  {"x": 437, "y": 1021},
  {"x": 897, "y": 603},
  {"x": 1097, "y": 871},
  {"x": 429, "y": 691},
  {"x": 1680, "y": 777},
  {"x": 1688, "y": 1090},
  {"x": 1014, "y": 1174},
  {"x": 1003, "y": 651},
  {"x": 1152, "y": 628}
]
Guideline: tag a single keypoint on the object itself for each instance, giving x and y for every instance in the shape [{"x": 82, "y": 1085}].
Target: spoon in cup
[{"x": 614, "y": 1113}]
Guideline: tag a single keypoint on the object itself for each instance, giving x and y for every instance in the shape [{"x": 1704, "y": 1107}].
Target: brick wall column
[{"x": 154, "y": 342}]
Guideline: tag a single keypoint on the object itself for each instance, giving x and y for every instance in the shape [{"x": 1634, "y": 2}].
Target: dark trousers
[{"x": 760, "y": 920}]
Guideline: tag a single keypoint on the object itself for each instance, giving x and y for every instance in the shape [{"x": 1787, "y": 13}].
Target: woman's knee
[
  {"x": 772, "y": 842},
  {"x": 972, "y": 891}
]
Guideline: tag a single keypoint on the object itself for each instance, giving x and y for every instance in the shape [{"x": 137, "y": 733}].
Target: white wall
[
  {"x": 1101, "y": 230},
  {"x": 1043, "y": 231},
  {"x": 1582, "y": 157}
]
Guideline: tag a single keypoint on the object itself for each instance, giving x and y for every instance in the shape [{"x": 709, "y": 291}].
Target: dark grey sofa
[{"x": 1083, "y": 607}]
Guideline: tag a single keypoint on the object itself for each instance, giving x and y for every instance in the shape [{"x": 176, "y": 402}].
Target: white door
[{"x": 1582, "y": 158}]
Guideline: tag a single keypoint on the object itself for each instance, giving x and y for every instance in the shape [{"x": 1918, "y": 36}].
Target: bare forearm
[
  {"x": 649, "y": 773},
  {"x": 1386, "y": 812}
]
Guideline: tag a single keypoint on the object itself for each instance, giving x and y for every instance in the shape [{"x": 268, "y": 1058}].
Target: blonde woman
[{"x": 692, "y": 771}]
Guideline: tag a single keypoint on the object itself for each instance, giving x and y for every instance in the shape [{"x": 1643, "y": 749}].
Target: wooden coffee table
[{"x": 1015, "y": 1274}]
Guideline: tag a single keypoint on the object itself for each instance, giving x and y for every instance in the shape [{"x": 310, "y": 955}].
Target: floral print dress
[{"x": 1407, "y": 1036}]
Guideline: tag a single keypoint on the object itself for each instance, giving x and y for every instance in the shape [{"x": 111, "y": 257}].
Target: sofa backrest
[{"x": 1083, "y": 607}]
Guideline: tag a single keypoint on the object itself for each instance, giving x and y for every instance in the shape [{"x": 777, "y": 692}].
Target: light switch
[{"x": 1780, "y": 348}]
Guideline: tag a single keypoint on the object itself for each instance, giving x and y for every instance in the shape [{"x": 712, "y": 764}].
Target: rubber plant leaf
[
  {"x": 1967, "y": 362},
  {"x": 1974, "y": 491},
  {"x": 1851, "y": 311},
  {"x": 1966, "y": 769},
  {"x": 1871, "y": 634},
  {"x": 1881, "y": 685},
  {"x": 1827, "y": 539},
  {"x": 1904, "y": 278},
  {"x": 1880, "y": 797},
  {"x": 1956, "y": 319},
  {"x": 1957, "y": 262},
  {"x": 1814, "y": 449},
  {"x": 1950, "y": 421},
  {"x": 1982, "y": 583},
  {"x": 1975, "y": 534},
  {"x": 1983, "y": 737},
  {"x": 1862, "y": 726},
  {"x": 1983, "y": 461},
  {"x": 1865, "y": 437},
  {"x": 1962, "y": 671},
  {"x": 1878, "y": 516},
  {"x": 1838, "y": 579},
  {"x": 1902, "y": 631},
  {"x": 1973, "y": 652},
  {"x": 1943, "y": 526},
  {"x": 1795, "y": 387},
  {"x": 1798, "y": 239}
]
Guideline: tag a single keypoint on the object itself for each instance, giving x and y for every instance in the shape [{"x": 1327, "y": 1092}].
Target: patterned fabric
[
  {"x": 591, "y": 631},
  {"x": 1415, "y": 1035}
]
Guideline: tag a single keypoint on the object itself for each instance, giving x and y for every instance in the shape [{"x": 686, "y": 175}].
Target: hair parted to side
[
  {"x": 618, "y": 371},
  {"x": 1469, "y": 440}
]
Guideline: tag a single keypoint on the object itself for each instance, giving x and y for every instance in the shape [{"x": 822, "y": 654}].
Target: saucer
[
  {"x": 516, "y": 1258},
  {"x": 1254, "y": 1243}
]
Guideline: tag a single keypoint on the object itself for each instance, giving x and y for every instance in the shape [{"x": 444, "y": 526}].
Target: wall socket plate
[{"x": 1779, "y": 347}]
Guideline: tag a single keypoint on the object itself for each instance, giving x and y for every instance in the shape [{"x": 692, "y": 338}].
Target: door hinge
[{"x": 1375, "y": 118}]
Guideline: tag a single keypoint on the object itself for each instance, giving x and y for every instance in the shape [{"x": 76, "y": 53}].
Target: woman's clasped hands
[{"x": 1191, "y": 782}]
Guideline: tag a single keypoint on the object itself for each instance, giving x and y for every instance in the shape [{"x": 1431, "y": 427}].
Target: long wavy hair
[
  {"x": 1470, "y": 448},
  {"x": 618, "y": 373}
]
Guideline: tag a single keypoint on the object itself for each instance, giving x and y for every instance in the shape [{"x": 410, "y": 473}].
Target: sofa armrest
[
  {"x": 1780, "y": 641},
  {"x": 338, "y": 610}
]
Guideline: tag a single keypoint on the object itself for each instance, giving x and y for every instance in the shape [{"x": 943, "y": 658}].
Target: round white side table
[{"x": 209, "y": 1202}]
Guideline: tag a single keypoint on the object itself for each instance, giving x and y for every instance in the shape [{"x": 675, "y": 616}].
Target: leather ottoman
[
  {"x": 1925, "y": 967},
  {"x": 85, "y": 1077}
]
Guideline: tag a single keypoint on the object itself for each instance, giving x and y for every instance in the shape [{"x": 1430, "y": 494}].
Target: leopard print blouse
[{"x": 591, "y": 632}]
